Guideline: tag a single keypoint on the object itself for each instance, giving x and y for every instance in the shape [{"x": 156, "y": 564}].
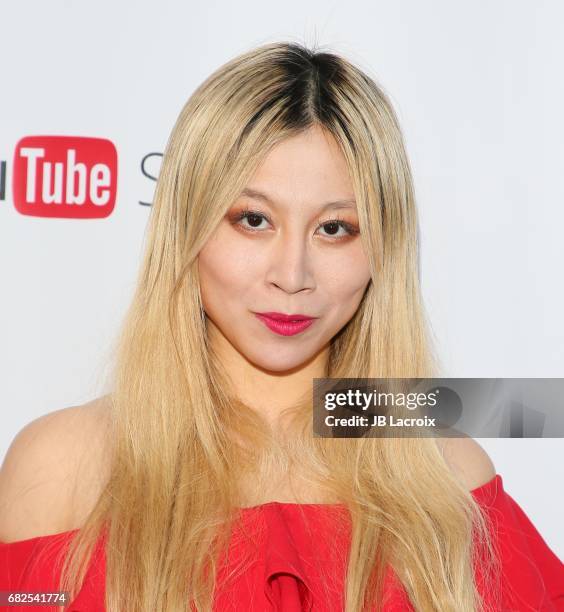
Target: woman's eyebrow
[{"x": 259, "y": 195}]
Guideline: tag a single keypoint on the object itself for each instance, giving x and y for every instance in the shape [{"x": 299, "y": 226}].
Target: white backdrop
[{"x": 478, "y": 90}]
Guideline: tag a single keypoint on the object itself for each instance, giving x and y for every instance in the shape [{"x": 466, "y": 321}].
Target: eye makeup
[{"x": 249, "y": 216}]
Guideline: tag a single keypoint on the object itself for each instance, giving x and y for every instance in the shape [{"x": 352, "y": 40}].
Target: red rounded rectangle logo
[{"x": 64, "y": 176}]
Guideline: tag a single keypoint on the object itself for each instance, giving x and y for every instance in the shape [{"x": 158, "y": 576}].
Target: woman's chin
[{"x": 279, "y": 360}]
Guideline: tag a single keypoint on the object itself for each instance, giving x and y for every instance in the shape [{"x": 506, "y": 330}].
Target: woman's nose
[{"x": 290, "y": 265}]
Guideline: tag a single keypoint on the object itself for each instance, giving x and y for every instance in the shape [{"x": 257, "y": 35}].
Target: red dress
[{"x": 291, "y": 544}]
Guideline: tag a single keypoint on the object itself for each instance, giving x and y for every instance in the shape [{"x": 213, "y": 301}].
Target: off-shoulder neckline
[
  {"x": 478, "y": 491},
  {"x": 482, "y": 490}
]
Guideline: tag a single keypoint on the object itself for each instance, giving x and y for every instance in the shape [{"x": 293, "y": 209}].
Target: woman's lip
[
  {"x": 285, "y": 328},
  {"x": 279, "y": 316}
]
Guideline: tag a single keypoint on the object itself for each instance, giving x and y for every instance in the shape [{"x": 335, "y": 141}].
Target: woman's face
[{"x": 286, "y": 251}]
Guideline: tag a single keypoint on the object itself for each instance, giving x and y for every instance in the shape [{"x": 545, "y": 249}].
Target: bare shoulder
[
  {"x": 468, "y": 460},
  {"x": 53, "y": 471}
]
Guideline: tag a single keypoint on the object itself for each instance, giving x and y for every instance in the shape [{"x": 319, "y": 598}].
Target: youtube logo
[{"x": 64, "y": 176}]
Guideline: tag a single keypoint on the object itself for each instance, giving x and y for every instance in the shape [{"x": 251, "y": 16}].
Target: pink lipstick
[{"x": 285, "y": 324}]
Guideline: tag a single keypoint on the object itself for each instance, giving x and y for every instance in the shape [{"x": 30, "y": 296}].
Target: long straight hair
[{"x": 181, "y": 441}]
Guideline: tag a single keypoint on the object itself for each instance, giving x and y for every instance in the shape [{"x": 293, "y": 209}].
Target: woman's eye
[
  {"x": 332, "y": 228},
  {"x": 254, "y": 220}
]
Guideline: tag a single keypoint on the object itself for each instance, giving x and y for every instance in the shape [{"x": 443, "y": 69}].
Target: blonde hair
[{"x": 169, "y": 505}]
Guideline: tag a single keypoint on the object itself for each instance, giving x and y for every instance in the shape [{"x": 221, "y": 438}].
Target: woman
[{"x": 285, "y": 189}]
